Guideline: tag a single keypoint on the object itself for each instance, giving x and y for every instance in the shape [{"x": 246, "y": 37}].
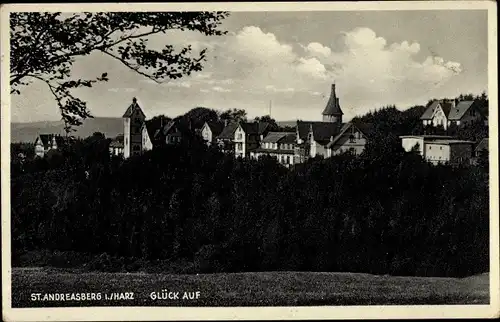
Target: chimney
[
  {"x": 453, "y": 103},
  {"x": 225, "y": 122}
]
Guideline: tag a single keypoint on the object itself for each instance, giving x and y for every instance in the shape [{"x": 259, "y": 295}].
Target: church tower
[
  {"x": 332, "y": 112},
  {"x": 133, "y": 120}
]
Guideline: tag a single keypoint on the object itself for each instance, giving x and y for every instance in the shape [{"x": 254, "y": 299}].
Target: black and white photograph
[{"x": 249, "y": 161}]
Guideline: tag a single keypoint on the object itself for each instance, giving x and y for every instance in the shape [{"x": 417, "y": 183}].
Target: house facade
[
  {"x": 438, "y": 149},
  {"x": 279, "y": 145},
  {"x": 448, "y": 113},
  {"x": 452, "y": 152},
  {"x": 136, "y": 138},
  {"x": 46, "y": 142},
  {"x": 247, "y": 137},
  {"x": 211, "y": 130},
  {"x": 116, "y": 146}
]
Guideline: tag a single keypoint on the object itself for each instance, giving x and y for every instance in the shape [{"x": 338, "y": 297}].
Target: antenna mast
[{"x": 270, "y": 107}]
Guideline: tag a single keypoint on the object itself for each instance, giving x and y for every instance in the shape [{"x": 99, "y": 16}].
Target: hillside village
[{"x": 325, "y": 138}]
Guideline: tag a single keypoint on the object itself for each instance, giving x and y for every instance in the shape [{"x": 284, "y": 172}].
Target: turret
[{"x": 332, "y": 112}]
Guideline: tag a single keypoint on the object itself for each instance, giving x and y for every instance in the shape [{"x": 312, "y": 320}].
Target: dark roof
[
  {"x": 216, "y": 127},
  {"x": 263, "y": 126},
  {"x": 228, "y": 131},
  {"x": 322, "y": 131},
  {"x": 333, "y": 105},
  {"x": 430, "y": 110},
  {"x": 446, "y": 107},
  {"x": 459, "y": 111},
  {"x": 289, "y": 138},
  {"x": 150, "y": 129},
  {"x": 117, "y": 142},
  {"x": 366, "y": 128},
  {"x": 170, "y": 127},
  {"x": 274, "y": 137},
  {"x": 276, "y": 151},
  {"x": 132, "y": 108},
  {"x": 483, "y": 145}
]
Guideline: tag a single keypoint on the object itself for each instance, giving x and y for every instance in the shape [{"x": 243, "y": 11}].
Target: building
[
  {"x": 211, "y": 130},
  {"x": 46, "y": 142},
  {"x": 351, "y": 138},
  {"x": 446, "y": 113},
  {"x": 449, "y": 151},
  {"x": 332, "y": 112},
  {"x": 439, "y": 149},
  {"x": 116, "y": 146},
  {"x": 417, "y": 142},
  {"x": 135, "y": 131},
  {"x": 225, "y": 140},
  {"x": 280, "y": 145},
  {"x": 331, "y": 136},
  {"x": 247, "y": 137}
]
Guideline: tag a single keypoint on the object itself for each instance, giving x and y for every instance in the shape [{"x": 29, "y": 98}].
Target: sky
[{"x": 288, "y": 61}]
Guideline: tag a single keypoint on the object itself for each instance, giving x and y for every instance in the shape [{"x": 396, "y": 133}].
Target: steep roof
[
  {"x": 333, "y": 105},
  {"x": 47, "y": 140},
  {"x": 483, "y": 145},
  {"x": 132, "y": 108},
  {"x": 150, "y": 129},
  {"x": 215, "y": 127},
  {"x": 446, "y": 107},
  {"x": 170, "y": 127},
  {"x": 322, "y": 131},
  {"x": 275, "y": 137},
  {"x": 430, "y": 110},
  {"x": 459, "y": 111},
  {"x": 263, "y": 126},
  {"x": 228, "y": 131}
]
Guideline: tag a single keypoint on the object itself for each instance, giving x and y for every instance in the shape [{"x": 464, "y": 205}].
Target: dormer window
[{"x": 352, "y": 139}]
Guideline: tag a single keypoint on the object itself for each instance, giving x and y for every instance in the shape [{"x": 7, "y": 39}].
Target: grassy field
[{"x": 249, "y": 289}]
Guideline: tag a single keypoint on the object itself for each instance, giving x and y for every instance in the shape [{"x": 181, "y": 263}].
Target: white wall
[
  {"x": 206, "y": 133},
  {"x": 126, "y": 137},
  {"x": 437, "y": 153},
  {"x": 409, "y": 143}
]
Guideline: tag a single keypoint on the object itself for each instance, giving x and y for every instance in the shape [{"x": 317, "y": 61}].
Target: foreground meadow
[{"x": 248, "y": 289}]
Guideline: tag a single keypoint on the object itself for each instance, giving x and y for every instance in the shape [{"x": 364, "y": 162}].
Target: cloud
[
  {"x": 122, "y": 89},
  {"x": 369, "y": 71},
  {"x": 220, "y": 89}
]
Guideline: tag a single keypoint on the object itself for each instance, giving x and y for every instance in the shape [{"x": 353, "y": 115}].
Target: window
[
  {"x": 239, "y": 146},
  {"x": 136, "y": 148},
  {"x": 440, "y": 148},
  {"x": 352, "y": 139},
  {"x": 430, "y": 147},
  {"x": 239, "y": 136},
  {"x": 473, "y": 112}
]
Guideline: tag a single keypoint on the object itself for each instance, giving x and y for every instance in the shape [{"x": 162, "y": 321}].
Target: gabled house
[
  {"x": 211, "y": 130},
  {"x": 466, "y": 113},
  {"x": 47, "y": 142},
  {"x": 313, "y": 137},
  {"x": 446, "y": 113},
  {"x": 352, "y": 138},
  {"x": 247, "y": 137},
  {"x": 172, "y": 133},
  {"x": 225, "y": 139},
  {"x": 280, "y": 145}
]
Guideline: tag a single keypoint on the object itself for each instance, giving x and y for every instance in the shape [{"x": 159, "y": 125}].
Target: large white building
[{"x": 439, "y": 149}]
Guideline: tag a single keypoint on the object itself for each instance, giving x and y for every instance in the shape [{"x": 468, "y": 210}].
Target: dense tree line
[
  {"x": 391, "y": 214},
  {"x": 384, "y": 212}
]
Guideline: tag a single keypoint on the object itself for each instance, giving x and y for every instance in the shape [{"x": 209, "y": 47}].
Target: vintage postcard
[{"x": 222, "y": 161}]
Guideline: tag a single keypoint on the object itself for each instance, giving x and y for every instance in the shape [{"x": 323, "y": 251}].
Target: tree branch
[{"x": 131, "y": 67}]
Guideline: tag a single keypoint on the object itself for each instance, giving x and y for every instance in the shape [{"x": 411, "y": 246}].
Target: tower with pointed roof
[
  {"x": 332, "y": 112},
  {"x": 133, "y": 121}
]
